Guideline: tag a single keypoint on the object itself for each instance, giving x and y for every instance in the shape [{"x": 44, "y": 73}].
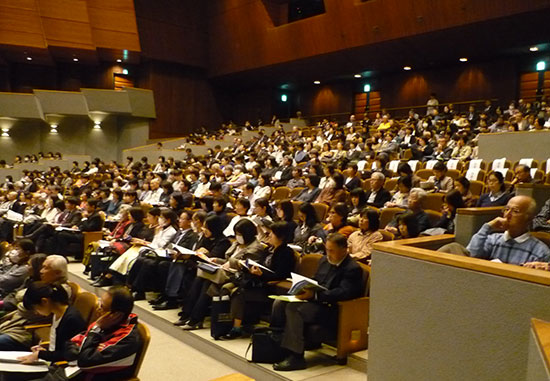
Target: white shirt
[{"x": 53, "y": 329}]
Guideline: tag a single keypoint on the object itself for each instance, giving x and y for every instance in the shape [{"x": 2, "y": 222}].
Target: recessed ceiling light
[
  {"x": 463, "y": 59},
  {"x": 317, "y": 82},
  {"x": 534, "y": 48},
  {"x": 29, "y": 58},
  {"x": 119, "y": 60},
  {"x": 407, "y": 68},
  {"x": 357, "y": 75},
  {"x": 75, "y": 59}
]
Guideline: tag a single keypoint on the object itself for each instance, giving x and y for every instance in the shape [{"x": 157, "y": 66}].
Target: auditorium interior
[{"x": 385, "y": 145}]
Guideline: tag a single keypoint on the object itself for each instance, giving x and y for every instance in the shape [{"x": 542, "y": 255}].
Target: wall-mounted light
[
  {"x": 541, "y": 66},
  {"x": 407, "y": 68},
  {"x": 119, "y": 60},
  {"x": 5, "y": 132},
  {"x": 29, "y": 58},
  {"x": 75, "y": 59},
  {"x": 53, "y": 128},
  {"x": 534, "y": 48},
  {"x": 357, "y": 75},
  {"x": 463, "y": 59},
  {"x": 317, "y": 82},
  {"x": 97, "y": 125}
]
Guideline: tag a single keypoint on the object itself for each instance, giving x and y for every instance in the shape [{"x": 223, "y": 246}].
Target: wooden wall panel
[
  {"x": 345, "y": 25},
  {"x": 20, "y": 25}
]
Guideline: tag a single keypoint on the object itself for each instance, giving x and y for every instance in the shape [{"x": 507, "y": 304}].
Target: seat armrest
[{"x": 353, "y": 324}]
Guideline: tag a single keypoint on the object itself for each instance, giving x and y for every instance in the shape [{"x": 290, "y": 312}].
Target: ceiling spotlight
[
  {"x": 534, "y": 49},
  {"x": 29, "y": 58},
  {"x": 75, "y": 59},
  {"x": 119, "y": 60},
  {"x": 357, "y": 75},
  {"x": 317, "y": 82},
  {"x": 407, "y": 68},
  {"x": 463, "y": 59},
  {"x": 97, "y": 125}
]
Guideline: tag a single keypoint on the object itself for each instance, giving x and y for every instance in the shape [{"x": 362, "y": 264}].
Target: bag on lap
[{"x": 266, "y": 345}]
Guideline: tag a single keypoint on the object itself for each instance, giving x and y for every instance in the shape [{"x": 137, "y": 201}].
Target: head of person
[
  {"x": 463, "y": 185},
  {"x": 336, "y": 248},
  {"x": 285, "y": 210},
  {"x": 338, "y": 215},
  {"x": 118, "y": 302},
  {"x": 519, "y": 213},
  {"x": 213, "y": 227},
  {"x": 407, "y": 225},
  {"x": 185, "y": 220},
  {"x": 404, "y": 169},
  {"x": 153, "y": 216},
  {"x": 278, "y": 233},
  {"x": 369, "y": 220},
  {"x": 523, "y": 173},
  {"x": 245, "y": 232},
  {"x": 358, "y": 198},
  {"x": 338, "y": 180},
  {"x": 307, "y": 215},
  {"x": 241, "y": 206},
  {"x": 35, "y": 265},
  {"x": 71, "y": 203},
  {"x": 416, "y": 197},
  {"x": 453, "y": 200},
  {"x": 136, "y": 214},
  {"x": 312, "y": 181},
  {"x": 376, "y": 181},
  {"x": 22, "y": 250},
  {"x": 495, "y": 182},
  {"x": 219, "y": 204},
  {"x": 54, "y": 269},
  {"x": 44, "y": 298},
  {"x": 404, "y": 184},
  {"x": 261, "y": 207},
  {"x": 440, "y": 170}
]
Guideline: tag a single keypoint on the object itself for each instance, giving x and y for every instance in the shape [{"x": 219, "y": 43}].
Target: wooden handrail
[
  {"x": 542, "y": 334},
  {"x": 409, "y": 248},
  {"x": 480, "y": 210}
]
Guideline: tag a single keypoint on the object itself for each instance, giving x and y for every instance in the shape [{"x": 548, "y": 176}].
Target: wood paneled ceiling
[{"x": 48, "y": 31}]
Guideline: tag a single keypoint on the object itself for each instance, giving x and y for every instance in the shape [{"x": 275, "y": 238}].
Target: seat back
[
  {"x": 308, "y": 264},
  {"x": 280, "y": 193},
  {"x": 453, "y": 173},
  {"x": 433, "y": 201},
  {"x": 387, "y": 215},
  {"x": 86, "y": 303},
  {"x": 296, "y": 207},
  {"x": 75, "y": 290},
  {"x": 476, "y": 187},
  {"x": 386, "y": 235},
  {"x": 145, "y": 340},
  {"x": 296, "y": 191},
  {"x": 424, "y": 174},
  {"x": 321, "y": 210},
  {"x": 543, "y": 236},
  {"x": 366, "y": 278},
  {"x": 390, "y": 184}
]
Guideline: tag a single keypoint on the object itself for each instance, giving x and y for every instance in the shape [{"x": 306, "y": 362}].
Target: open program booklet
[{"x": 299, "y": 284}]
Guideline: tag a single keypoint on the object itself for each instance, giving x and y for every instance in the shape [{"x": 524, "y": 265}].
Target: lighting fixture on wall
[
  {"x": 29, "y": 58},
  {"x": 407, "y": 68},
  {"x": 534, "y": 48},
  {"x": 357, "y": 75},
  {"x": 463, "y": 59},
  {"x": 97, "y": 125},
  {"x": 75, "y": 59},
  {"x": 53, "y": 128},
  {"x": 317, "y": 82},
  {"x": 119, "y": 60},
  {"x": 5, "y": 132}
]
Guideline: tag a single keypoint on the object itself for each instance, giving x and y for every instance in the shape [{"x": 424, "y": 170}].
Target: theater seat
[
  {"x": 280, "y": 193},
  {"x": 387, "y": 215}
]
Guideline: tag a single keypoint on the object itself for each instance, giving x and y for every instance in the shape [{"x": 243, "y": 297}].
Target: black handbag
[
  {"x": 266, "y": 345},
  {"x": 221, "y": 321}
]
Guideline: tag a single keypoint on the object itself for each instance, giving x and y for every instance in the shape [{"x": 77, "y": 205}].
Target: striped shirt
[{"x": 486, "y": 244}]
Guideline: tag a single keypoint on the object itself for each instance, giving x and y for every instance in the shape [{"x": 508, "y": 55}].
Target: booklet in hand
[
  {"x": 248, "y": 263},
  {"x": 300, "y": 283}
]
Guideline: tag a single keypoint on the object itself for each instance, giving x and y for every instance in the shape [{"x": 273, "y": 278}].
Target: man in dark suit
[
  {"x": 70, "y": 242},
  {"x": 378, "y": 195},
  {"x": 284, "y": 172},
  {"x": 341, "y": 276}
]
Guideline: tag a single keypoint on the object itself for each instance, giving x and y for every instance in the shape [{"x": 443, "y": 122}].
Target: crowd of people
[{"x": 164, "y": 221}]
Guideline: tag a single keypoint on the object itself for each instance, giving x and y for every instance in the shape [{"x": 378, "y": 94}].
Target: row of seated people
[{"x": 35, "y": 292}]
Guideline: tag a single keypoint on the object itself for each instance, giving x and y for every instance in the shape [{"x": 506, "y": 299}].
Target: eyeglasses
[{"x": 513, "y": 211}]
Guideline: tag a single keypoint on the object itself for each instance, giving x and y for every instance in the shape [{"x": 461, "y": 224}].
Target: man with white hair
[
  {"x": 416, "y": 195},
  {"x": 13, "y": 335},
  {"x": 378, "y": 195},
  {"x": 507, "y": 238}
]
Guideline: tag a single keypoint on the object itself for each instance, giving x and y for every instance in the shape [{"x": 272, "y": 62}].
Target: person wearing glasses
[{"x": 507, "y": 238}]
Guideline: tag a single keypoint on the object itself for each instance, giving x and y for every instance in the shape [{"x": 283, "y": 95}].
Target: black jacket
[
  {"x": 382, "y": 196},
  {"x": 93, "y": 223},
  {"x": 344, "y": 282},
  {"x": 73, "y": 218},
  {"x": 281, "y": 261},
  {"x": 353, "y": 183}
]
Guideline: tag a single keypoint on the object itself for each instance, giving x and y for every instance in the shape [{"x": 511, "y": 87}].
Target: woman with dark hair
[
  {"x": 52, "y": 300},
  {"x": 463, "y": 186},
  {"x": 333, "y": 193},
  {"x": 285, "y": 212},
  {"x": 338, "y": 220},
  {"x": 404, "y": 169},
  {"x": 360, "y": 242},
  {"x": 453, "y": 201},
  {"x": 177, "y": 202},
  {"x": 252, "y": 280},
  {"x": 326, "y": 180},
  {"x": 358, "y": 203},
  {"x": 263, "y": 189},
  {"x": 242, "y": 205},
  {"x": 497, "y": 195},
  {"x": 167, "y": 191},
  {"x": 407, "y": 225},
  {"x": 309, "y": 226},
  {"x": 262, "y": 217}
]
